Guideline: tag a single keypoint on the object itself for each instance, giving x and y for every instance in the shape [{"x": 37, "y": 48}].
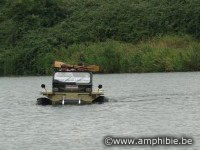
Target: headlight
[
  {"x": 88, "y": 89},
  {"x": 55, "y": 89}
]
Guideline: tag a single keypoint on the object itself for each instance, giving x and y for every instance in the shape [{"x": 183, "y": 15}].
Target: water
[{"x": 141, "y": 105}]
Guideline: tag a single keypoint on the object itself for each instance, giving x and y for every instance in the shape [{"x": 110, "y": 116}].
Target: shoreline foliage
[{"x": 119, "y": 35}]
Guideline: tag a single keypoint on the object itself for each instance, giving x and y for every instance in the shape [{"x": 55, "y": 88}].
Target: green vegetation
[{"x": 119, "y": 35}]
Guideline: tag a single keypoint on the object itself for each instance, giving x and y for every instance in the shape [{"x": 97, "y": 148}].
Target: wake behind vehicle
[{"x": 72, "y": 87}]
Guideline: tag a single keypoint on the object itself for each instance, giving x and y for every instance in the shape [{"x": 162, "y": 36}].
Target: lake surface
[{"x": 141, "y": 105}]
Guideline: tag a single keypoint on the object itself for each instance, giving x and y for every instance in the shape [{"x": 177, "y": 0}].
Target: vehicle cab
[{"x": 72, "y": 82}]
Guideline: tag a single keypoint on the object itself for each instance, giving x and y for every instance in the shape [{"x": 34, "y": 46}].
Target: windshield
[{"x": 77, "y": 77}]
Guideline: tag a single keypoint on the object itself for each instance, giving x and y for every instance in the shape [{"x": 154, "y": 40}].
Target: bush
[{"x": 119, "y": 35}]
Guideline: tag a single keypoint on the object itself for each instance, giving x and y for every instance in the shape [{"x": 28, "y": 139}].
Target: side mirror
[
  {"x": 100, "y": 86},
  {"x": 43, "y": 86}
]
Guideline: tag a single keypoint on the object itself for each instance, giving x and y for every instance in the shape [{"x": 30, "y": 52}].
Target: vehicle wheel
[
  {"x": 44, "y": 101},
  {"x": 101, "y": 99}
]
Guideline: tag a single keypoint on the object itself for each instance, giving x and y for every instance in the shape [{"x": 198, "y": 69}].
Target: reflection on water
[{"x": 140, "y": 105}]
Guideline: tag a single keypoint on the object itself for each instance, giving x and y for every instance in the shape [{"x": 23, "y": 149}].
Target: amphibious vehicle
[{"x": 72, "y": 87}]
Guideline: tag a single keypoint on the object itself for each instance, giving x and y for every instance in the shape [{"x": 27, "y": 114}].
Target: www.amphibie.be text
[{"x": 148, "y": 141}]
